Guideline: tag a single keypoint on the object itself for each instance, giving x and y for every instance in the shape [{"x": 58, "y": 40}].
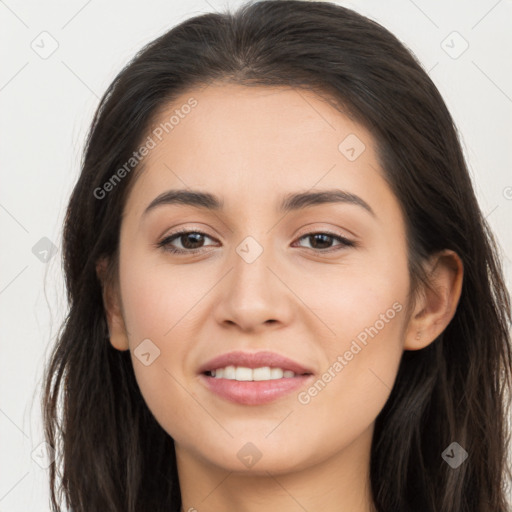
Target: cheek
[
  {"x": 160, "y": 304},
  {"x": 362, "y": 362},
  {"x": 365, "y": 309},
  {"x": 157, "y": 296},
  {"x": 364, "y": 298}
]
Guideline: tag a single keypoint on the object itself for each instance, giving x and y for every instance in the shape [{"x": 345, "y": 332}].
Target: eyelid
[{"x": 313, "y": 228}]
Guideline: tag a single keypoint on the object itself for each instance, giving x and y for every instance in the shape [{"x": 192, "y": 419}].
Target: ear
[
  {"x": 437, "y": 305},
  {"x": 111, "y": 302}
]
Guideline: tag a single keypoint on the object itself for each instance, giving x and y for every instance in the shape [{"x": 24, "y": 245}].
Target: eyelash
[{"x": 165, "y": 243}]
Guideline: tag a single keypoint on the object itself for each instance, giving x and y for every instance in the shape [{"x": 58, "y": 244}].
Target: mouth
[{"x": 253, "y": 378}]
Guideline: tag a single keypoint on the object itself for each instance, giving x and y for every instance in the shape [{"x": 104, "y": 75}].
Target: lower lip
[{"x": 254, "y": 392}]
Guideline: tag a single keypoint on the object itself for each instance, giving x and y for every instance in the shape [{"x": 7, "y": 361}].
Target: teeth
[
  {"x": 229, "y": 372},
  {"x": 241, "y": 373},
  {"x": 264, "y": 373}
]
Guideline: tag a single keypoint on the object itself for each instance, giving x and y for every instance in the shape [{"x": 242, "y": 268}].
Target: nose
[{"x": 254, "y": 295}]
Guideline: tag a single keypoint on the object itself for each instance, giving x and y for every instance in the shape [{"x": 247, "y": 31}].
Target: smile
[
  {"x": 242, "y": 373},
  {"x": 253, "y": 378}
]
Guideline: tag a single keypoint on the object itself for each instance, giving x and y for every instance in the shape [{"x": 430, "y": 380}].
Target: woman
[{"x": 283, "y": 294}]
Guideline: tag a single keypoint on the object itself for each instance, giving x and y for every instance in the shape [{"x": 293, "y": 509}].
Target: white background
[{"x": 48, "y": 103}]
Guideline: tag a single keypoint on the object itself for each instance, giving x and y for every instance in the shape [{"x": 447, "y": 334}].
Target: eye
[
  {"x": 191, "y": 241},
  {"x": 188, "y": 239},
  {"x": 322, "y": 239}
]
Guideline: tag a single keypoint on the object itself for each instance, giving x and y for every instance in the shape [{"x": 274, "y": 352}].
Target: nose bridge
[
  {"x": 254, "y": 295},
  {"x": 251, "y": 261}
]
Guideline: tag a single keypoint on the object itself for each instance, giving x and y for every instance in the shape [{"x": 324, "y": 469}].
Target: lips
[
  {"x": 254, "y": 392},
  {"x": 254, "y": 360}
]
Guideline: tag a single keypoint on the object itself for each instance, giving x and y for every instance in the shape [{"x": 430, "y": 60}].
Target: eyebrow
[{"x": 290, "y": 202}]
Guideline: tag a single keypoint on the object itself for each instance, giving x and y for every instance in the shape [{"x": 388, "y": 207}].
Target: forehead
[{"x": 253, "y": 143}]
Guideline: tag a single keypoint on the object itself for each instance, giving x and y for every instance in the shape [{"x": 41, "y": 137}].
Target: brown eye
[
  {"x": 191, "y": 242},
  {"x": 322, "y": 242}
]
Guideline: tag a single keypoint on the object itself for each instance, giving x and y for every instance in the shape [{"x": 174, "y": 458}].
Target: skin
[{"x": 251, "y": 146}]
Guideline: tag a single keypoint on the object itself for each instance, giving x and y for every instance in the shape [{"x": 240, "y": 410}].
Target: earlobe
[
  {"x": 438, "y": 303},
  {"x": 117, "y": 335},
  {"x": 111, "y": 302}
]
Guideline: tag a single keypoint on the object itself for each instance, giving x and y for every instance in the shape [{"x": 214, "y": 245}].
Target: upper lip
[{"x": 253, "y": 360}]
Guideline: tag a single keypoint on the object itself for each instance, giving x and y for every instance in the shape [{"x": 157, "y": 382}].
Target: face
[{"x": 314, "y": 285}]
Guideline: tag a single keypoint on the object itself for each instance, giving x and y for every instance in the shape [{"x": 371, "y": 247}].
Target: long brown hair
[{"x": 112, "y": 455}]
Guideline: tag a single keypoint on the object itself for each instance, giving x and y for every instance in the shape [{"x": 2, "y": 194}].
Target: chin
[{"x": 259, "y": 457}]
